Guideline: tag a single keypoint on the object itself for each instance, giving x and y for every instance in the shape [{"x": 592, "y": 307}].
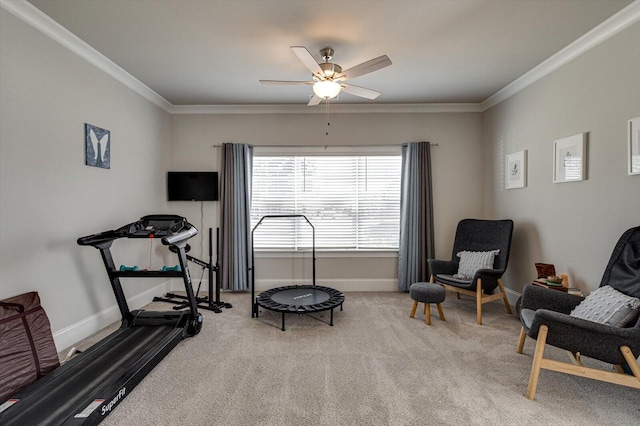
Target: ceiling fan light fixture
[{"x": 326, "y": 89}]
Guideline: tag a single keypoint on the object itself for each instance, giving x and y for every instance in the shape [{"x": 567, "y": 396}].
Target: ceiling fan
[{"x": 328, "y": 77}]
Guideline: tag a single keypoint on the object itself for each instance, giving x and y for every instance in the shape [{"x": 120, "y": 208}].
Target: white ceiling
[{"x": 213, "y": 52}]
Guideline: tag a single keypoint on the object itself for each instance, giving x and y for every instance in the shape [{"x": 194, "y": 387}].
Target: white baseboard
[
  {"x": 344, "y": 285},
  {"x": 72, "y": 334}
]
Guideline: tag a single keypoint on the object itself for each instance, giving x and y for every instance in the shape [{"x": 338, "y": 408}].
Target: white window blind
[{"x": 353, "y": 201}]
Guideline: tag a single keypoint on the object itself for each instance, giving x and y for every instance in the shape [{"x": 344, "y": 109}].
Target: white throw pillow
[
  {"x": 472, "y": 261},
  {"x": 606, "y": 305}
]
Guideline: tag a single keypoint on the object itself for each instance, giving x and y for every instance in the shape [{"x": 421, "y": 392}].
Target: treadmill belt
[{"x": 89, "y": 386}]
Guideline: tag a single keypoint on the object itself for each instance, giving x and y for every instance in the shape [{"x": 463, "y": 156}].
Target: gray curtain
[
  {"x": 235, "y": 210},
  {"x": 416, "y": 215}
]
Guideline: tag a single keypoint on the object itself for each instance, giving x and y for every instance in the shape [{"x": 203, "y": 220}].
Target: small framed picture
[
  {"x": 570, "y": 159},
  {"x": 634, "y": 146},
  {"x": 515, "y": 170},
  {"x": 97, "y": 144}
]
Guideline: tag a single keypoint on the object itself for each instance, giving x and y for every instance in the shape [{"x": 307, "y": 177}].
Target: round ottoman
[{"x": 427, "y": 293}]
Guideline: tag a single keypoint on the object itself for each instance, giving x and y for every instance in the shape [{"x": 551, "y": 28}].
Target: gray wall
[
  {"x": 49, "y": 198},
  {"x": 573, "y": 225},
  {"x": 457, "y": 175}
]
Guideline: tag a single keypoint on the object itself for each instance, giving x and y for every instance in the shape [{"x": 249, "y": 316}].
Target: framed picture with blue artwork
[{"x": 97, "y": 143}]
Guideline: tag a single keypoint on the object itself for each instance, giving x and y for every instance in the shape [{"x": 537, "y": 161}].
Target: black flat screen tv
[{"x": 192, "y": 186}]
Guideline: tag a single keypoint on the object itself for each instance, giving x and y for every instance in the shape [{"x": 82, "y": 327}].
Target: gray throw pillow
[
  {"x": 472, "y": 261},
  {"x": 606, "y": 305}
]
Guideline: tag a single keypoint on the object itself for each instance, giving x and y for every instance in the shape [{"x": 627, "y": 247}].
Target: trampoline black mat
[{"x": 300, "y": 299}]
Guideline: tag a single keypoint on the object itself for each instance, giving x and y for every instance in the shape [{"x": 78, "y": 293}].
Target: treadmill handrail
[
  {"x": 180, "y": 236},
  {"x": 102, "y": 237}
]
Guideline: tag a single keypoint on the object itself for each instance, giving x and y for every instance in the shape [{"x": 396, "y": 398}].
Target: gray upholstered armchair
[
  {"x": 477, "y": 236},
  {"x": 546, "y": 316}
]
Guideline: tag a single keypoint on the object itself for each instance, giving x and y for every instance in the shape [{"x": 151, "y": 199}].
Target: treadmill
[{"x": 84, "y": 390}]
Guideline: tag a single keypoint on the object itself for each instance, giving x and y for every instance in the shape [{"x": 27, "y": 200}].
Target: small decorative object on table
[{"x": 545, "y": 269}]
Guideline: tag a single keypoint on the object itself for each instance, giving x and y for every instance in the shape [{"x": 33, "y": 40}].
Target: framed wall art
[
  {"x": 569, "y": 159},
  {"x": 634, "y": 146},
  {"x": 97, "y": 142},
  {"x": 515, "y": 170}
]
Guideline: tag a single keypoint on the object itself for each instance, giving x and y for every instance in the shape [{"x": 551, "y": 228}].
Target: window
[{"x": 352, "y": 200}]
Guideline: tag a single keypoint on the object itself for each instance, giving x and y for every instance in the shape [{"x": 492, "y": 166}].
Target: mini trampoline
[{"x": 295, "y": 299}]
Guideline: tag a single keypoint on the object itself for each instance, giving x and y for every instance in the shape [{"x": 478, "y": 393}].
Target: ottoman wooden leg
[
  {"x": 427, "y": 313},
  {"x": 413, "y": 310},
  {"x": 440, "y": 311}
]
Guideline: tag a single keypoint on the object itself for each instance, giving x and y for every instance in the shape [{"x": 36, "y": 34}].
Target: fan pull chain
[{"x": 327, "y": 116}]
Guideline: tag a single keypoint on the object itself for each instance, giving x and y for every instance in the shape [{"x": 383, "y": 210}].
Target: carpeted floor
[{"x": 376, "y": 366}]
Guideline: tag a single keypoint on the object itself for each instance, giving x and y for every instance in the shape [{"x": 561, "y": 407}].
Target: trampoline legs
[
  {"x": 314, "y": 299},
  {"x": 331, "y": 323},
  {"x": 255, "y": 309}
]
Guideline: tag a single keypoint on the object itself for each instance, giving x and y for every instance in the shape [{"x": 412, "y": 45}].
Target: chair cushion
[
  {"x": 449, "y": 279},
  {"x": 606, "y": 305},
  {"x": 472, "y": 261}
]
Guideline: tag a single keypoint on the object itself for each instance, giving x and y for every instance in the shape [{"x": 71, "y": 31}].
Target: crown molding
[
  {"x": 607, "y": 29},
  {"x": 335, "y": 109},
  {"x": 42, "y": 22},
  {"x": 33, "y": 16}
]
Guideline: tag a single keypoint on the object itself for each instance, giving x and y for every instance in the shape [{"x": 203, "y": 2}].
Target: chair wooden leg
[
  {"x": 440, "y": 312},
  {"x": 575, "y": 358},
  {"x": 537, "y": 362},
  {"x": 523, "y": 336},
  {"x": 479, "y": 302},
  {"x": 619, "y": 369},
  {"x": 432, "y": 279},
  {"x": 413, "y": 310},
  {"x": 457, "y": 295},
  {"x": 504, "y": 297},
  {"x": 632, "y": 362},
  {"x": 427, "y": 314}
]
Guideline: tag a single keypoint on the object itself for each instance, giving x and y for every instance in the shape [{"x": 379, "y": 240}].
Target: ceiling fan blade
[
  {"x": 366, "y": 67},
  {"x": 305, "y": 57},
  {"x": 285, "y": 82},
  {"x": 359, "y": 91},
  {"x": 315, "y": 100}
]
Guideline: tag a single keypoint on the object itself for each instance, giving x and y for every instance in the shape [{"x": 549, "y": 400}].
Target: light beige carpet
[{"x": 376, "y": 366}]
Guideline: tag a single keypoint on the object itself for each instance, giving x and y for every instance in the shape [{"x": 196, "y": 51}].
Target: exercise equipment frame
[
  {"x": 323, "y": 298},
  {"x": 212, "y": 269},
  {"x": 90, "y": 385}
]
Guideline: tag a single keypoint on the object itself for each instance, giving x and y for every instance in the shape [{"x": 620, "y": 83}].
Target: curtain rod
[{"x": 320, "y": 146}]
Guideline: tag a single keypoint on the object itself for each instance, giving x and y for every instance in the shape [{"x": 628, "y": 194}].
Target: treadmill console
[
  {"x": 171, "y": 229},
  {"x": 155, "y": 226}
]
